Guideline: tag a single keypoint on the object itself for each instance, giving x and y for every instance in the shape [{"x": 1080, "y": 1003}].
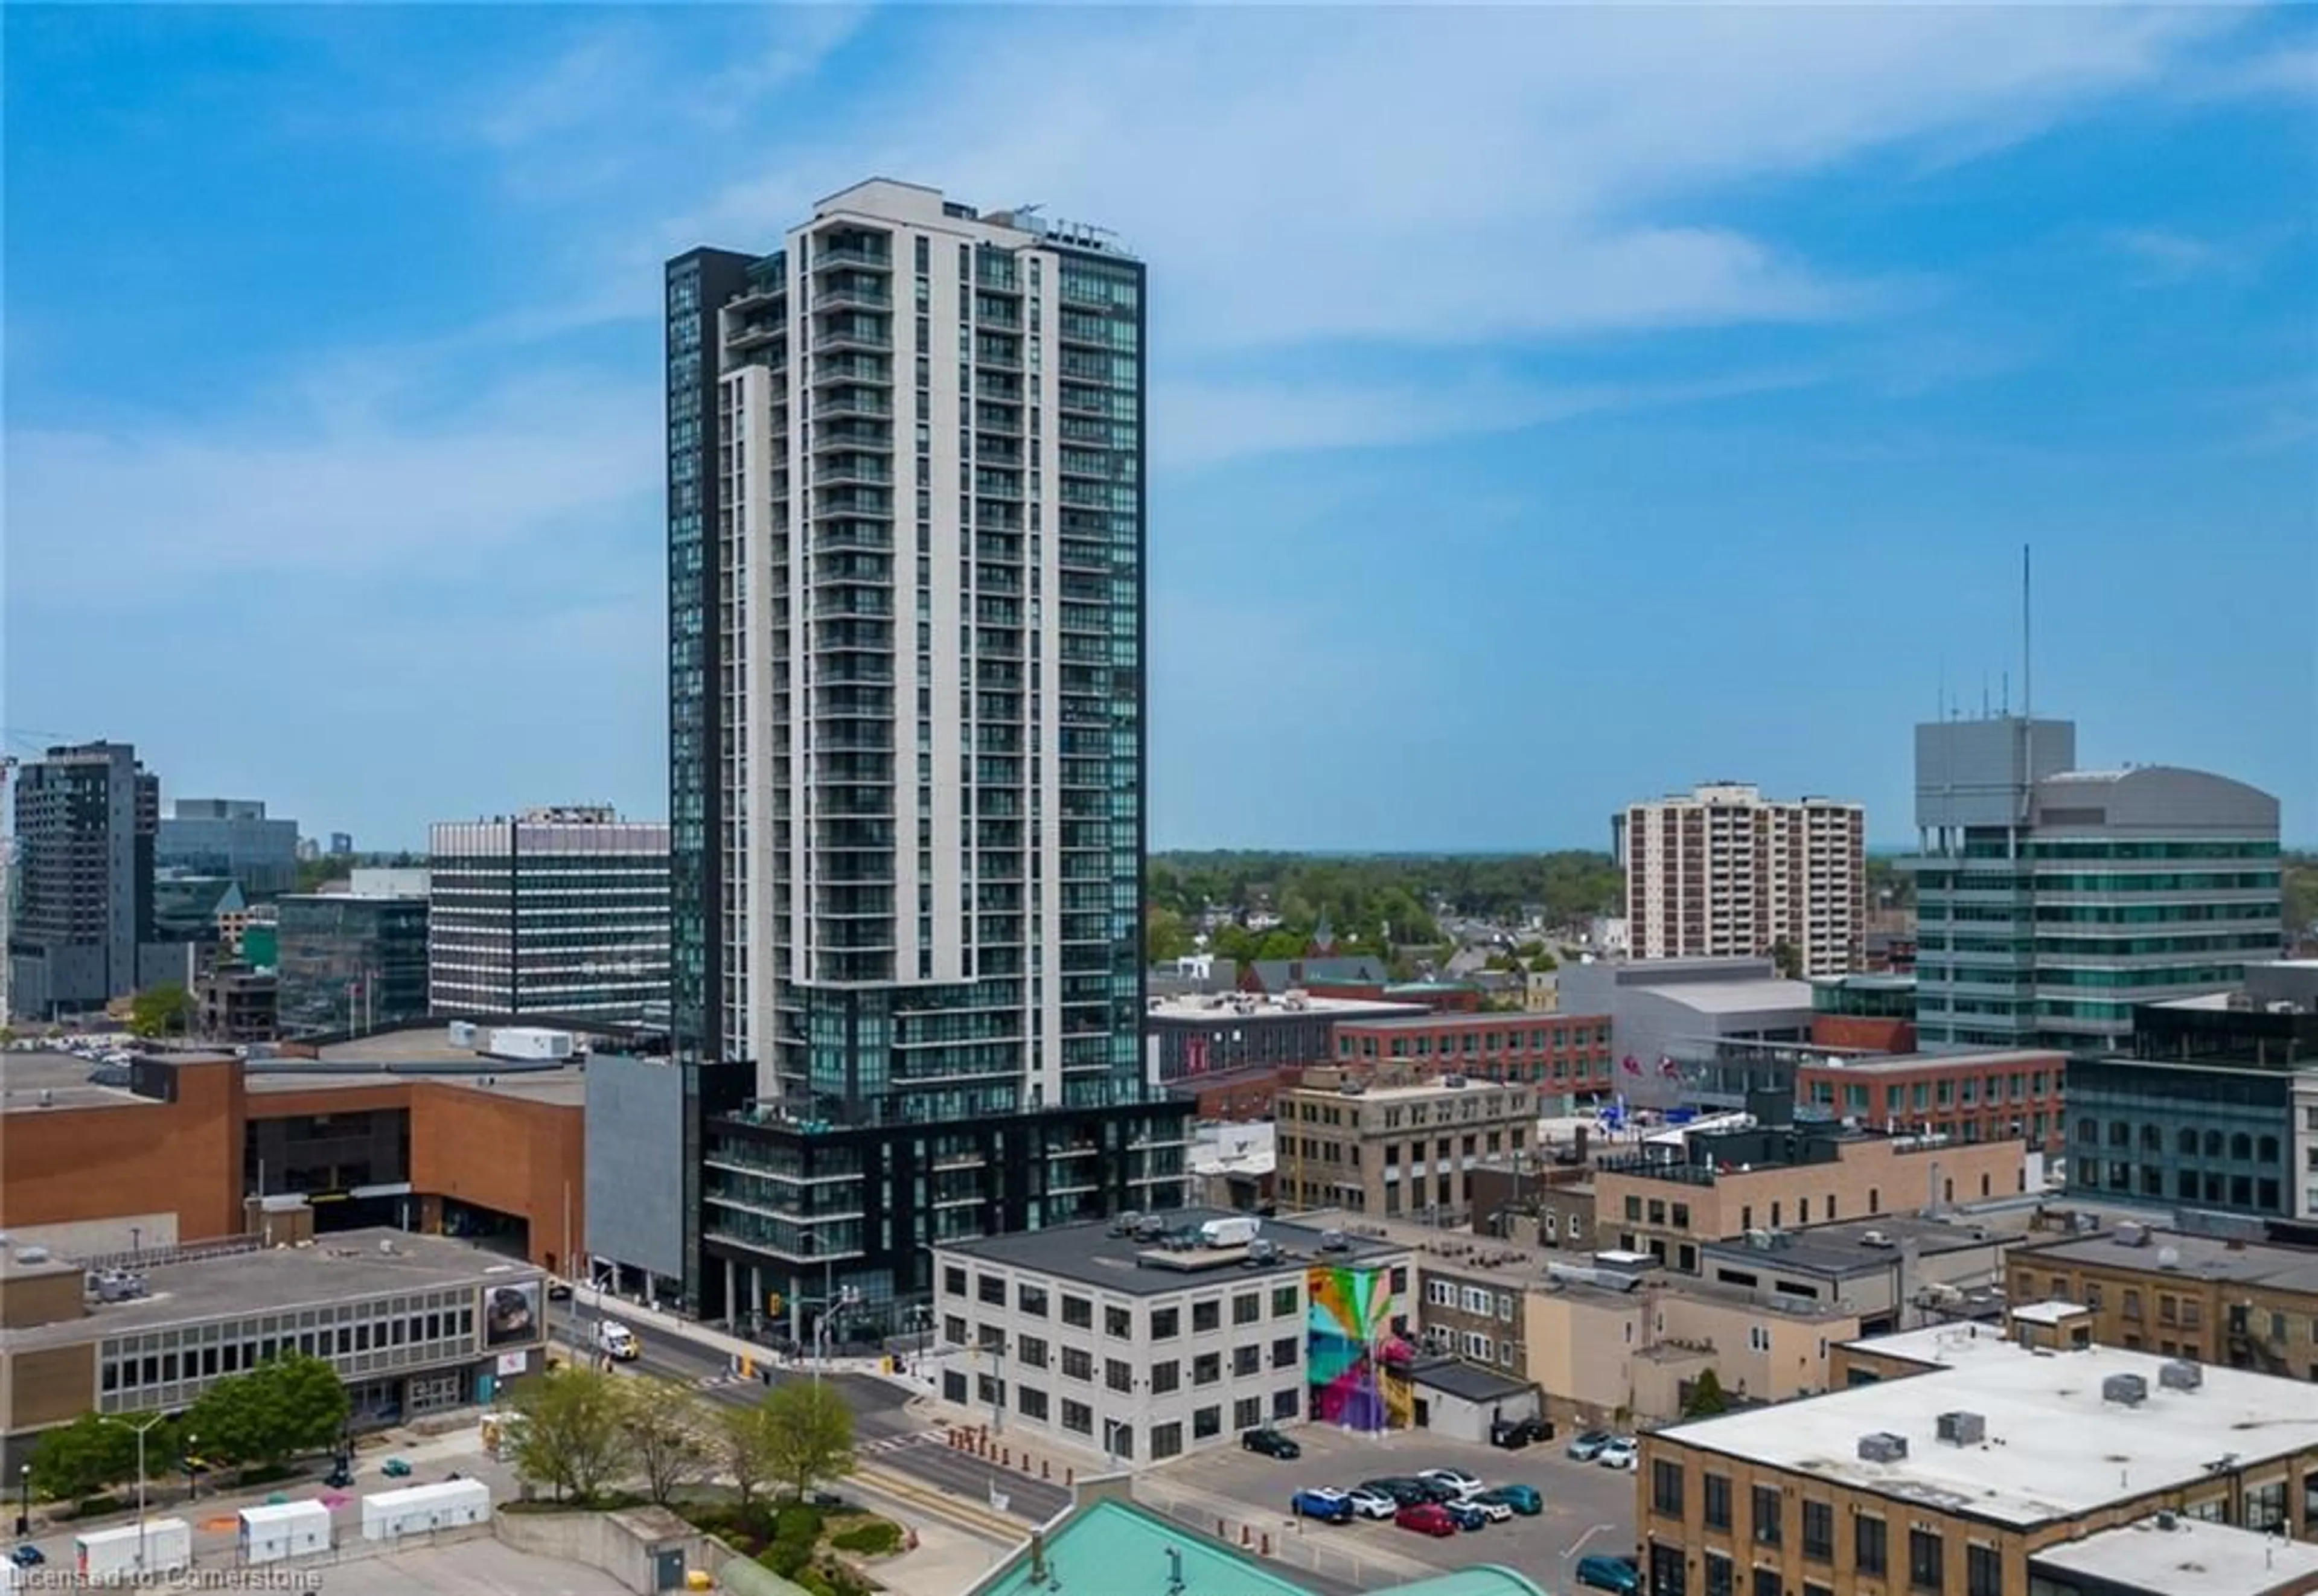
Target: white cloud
[
  {"x": 358, "y": 489},
  {"x": 2161, "y": 256}
]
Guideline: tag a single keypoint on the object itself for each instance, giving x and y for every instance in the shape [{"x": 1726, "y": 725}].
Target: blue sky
[{"x": 1550, "y": 407}]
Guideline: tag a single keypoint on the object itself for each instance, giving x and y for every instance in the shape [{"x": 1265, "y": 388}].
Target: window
[
  {"x": 1247, "y": 1413},
  {"x": 1768, "y": 1511},
  {"x": 1668, "y": 1570},
  {"x": 1165, "y": 1323},
  {"x": 1666, "y": 1487},
  {"x": 1283, "y": 1302},
  {"x": 1077, "y": 1417},
  {"x": 1030, "y": 1350},
  {"x": 1869, "y": 1552},
  {"x": 1248, "y": 1359},
  {"x": 1983, "y": 1571},
  {"x": 1207, "y": 1315},
  {"x": 1926, "y": 1560},
  {"x": 1032, "y": 1402},
  {"x": 1207, "y": 1422},
  {"x": 1718, "y": 1501},
  {"x": 1288, "y": 1402},
  {"x": 1078, "y": 1312},
  {"x": 1206, "y": 1368},
  {"x": 1718, "y": 1575},
  {"x": 1818, "y": 1531},
  {"x": 1166, "y": 1376},
  {"x": 953, "y": 1332},
  {"x": 1284, "y": 1353},
  {"x": 991, "y": 1290},
  {"x": 953, "y": 1282},
  {"x": 1767, "y": 1583},
  {"x": 1078, "y": 1364},
  {"x": 1119, "y": 1323},
  {"x": 1247, "y": 1307},
  {"x": 1166, "y": 1439},
  {"x": 2265, "y": 1506}
]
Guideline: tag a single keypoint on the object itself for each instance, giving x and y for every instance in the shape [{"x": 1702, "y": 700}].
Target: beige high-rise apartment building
[{"x": 1722, "y": 869}]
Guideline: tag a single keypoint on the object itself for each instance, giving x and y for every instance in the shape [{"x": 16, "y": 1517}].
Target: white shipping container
[
  {"x": 287, "y": 1530},
  {"x": 103, "y": 1554},
  {"x": 528, "y": 1043},
  {"x": 1229, "y": 1232},
  {"x": 418, "y": 1509}
]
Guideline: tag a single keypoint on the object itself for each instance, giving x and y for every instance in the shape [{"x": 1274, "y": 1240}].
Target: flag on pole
[
  {"x": 1668, "y": 1068},
  {"x": 1633, "y": 1066}
]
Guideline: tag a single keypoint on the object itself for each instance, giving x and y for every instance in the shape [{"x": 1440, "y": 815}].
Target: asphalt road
[{"x": 887, "y": 1433}]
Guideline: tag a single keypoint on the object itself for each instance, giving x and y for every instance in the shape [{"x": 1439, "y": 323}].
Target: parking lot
[{"x": 1579, "y": 1497}]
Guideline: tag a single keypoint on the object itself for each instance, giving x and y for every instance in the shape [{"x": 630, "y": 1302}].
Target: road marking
[
  {"x": 984, "y": 1521},
  {"x": 899, "y": 1443}
]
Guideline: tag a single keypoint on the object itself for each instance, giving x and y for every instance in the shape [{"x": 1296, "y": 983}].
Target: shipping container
[
  {"x": 529, "y": 1044},
  {"x": 421, "y": 1509},
  {"x": 107, "y": 1554},
  {"x": 287, "y": 1530}
]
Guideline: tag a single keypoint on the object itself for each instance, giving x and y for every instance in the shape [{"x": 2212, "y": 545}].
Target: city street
[{"x": 892, "y": 1430}]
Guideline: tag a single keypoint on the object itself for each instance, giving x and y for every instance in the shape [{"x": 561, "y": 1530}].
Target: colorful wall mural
[{"x": 1350, "y": 1349}]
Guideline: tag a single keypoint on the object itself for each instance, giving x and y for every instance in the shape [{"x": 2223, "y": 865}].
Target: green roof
[{"x": 1119, "y": 1550}]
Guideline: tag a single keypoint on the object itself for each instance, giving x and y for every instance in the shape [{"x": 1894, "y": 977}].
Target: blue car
[
  {"x": 1617, "y": 1574},
  {"x": 27, "y": 1555},
  {"x": 1330, "y": 1507},
  {"x": 1523, "y": 1500},
  {"x": 1466, "y": 1514}
]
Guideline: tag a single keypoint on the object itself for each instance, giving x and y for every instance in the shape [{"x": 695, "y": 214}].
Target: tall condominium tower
[
  {"x": 1724, "y": 870},
  {"x": 83, "y": 931},
  {"x": 2050, "y": 901},
  {"x": 906, "y": 535}
]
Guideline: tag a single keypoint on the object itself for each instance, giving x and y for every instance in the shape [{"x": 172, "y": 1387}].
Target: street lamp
[
  {"x": 140, "y": 1431},
  {"x": 25, "y": 1499},
  {"x": 193, "y": 1468}
]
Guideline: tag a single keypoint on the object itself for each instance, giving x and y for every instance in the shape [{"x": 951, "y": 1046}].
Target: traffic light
[{"x": 773, "y": 1304}]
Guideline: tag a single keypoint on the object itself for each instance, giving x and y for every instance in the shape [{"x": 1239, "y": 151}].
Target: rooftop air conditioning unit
[
  {"x": 1963, "y": 1429},
  {"x": 2180, "y": 1374},
  {"x": 1883, "y": 1446},
  {"x": 2129, "y": 1391},
  {"x": 1874, "y": 1238},
  {"x": 2129, "y": 1235}
]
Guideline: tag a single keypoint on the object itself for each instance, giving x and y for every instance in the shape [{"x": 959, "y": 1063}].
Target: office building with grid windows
[{"x": 906, "y": 537}]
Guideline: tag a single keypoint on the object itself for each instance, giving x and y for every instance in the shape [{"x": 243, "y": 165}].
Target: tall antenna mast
[{"x": 2027, "y": 666}]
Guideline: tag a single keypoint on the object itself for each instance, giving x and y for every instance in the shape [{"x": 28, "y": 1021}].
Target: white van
[{"x": 617, "y": 1342}]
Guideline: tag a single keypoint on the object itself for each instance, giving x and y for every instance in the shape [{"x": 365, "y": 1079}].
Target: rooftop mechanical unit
[
  {"x": 1963, "y": 1429},
  {"x": 1883, "y": 1446},
  {"x": 2125, "y": 1390},
  {"x": 2179, "y": 1374}
]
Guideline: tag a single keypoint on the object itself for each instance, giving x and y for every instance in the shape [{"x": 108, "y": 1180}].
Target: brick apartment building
[
  {"x": 1561, "y": 1055},
  {"x": 1966, "y": 1097}
]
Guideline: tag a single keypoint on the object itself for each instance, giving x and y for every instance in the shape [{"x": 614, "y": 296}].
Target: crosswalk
[{"x": 899, "y": 1443}]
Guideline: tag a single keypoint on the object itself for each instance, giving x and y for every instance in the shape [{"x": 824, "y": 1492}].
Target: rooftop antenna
[{"x": 2027, "y": 656}]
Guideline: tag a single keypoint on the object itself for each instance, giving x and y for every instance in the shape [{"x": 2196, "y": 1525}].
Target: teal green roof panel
[
  {"x": 1110, "y": 1548},
  {"x": 1483, "y": 1578}
]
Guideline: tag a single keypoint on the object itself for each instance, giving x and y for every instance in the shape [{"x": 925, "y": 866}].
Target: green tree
[
  {"x": 165, "y": 1010},
  {"x": 746, "y": 1451},
  {"x": 571, "y": 1432},
  {"x": 83, "y": 1457},
  {"x": 293, "y": 1404},
  {"x": 1706, "y": 1398},
  {"x": 2301, "y": 895},
  {"x": 1787, "y": 959},
  {"x": 667, "y": 1432},
  {"x": 1164, "y": 936},
  {"x": 811, "y": 1434},
  {"x": 1234, "y": 941}
]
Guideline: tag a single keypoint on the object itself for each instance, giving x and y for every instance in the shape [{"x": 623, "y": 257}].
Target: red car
[{"x": 1426, "y": 1517}]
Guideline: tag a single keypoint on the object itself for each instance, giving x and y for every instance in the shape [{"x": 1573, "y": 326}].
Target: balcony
[
  {"x": 830, "y": 257},
  {"x": 854, "y": 294},
  {"x": 854, "y": 337}
]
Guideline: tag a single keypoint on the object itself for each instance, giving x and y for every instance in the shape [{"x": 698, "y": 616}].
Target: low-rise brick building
[
  {"x": 1562, "y": 1056},
  {"x": 1967, "y": 1097}
]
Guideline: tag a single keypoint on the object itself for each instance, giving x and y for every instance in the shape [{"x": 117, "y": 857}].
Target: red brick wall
[{"x": 1863, "y": 1032}]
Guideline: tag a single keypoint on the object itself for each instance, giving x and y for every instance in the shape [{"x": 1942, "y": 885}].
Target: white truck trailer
[
  {"x": 164, "y": 1545},
  {"x": 421, "y": 1510},
  {"x": 527, "y": 1045},
  {"x": 284, "y": 1529}
]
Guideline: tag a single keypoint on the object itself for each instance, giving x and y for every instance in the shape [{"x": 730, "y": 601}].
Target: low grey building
[
  {"x": 1704, "y": 1030},
  {"x": 1896, "y": 1273},
  {"x": 229, "y": 837},
  {"x": 1207, "y": 1034}
]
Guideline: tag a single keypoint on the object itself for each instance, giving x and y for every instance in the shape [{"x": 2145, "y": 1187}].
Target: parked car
[
  {"x": 1271, "y": 1443},
  {"x": 1467, "y": 1515},
  {"x": 1487, "y": 1506},
  {"x": 1455, "y": 1479},
  {"x": 1621, "y": 1575},
  {"x": 1525, "y": 1499},
  {"x": 1426, "y": 1517},
  {"x": 1620, "y": 1453},
  {"x": 1371, "y": 1504},
  {"x": 1404, "y": 1492},
  {"x": 1515, "y": 1434},
  {"x": 1330, "y": 1507},
  {"x": 1588, "y": 1445},
  {"x": 28, "y": 1556}
]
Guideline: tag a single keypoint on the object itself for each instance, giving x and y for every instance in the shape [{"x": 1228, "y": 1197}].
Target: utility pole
[
  {"x": 571, "y": 1295},
  {"x": 140, "y": 1431}
]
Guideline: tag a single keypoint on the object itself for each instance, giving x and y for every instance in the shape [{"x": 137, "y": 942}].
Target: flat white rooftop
[
  {"x": 2054, "y": 1448},
  {"x": 1224, "y": 1008},
  {"x": 2211, "y": 1559},
  {"x": 2055, "y": 1311}
]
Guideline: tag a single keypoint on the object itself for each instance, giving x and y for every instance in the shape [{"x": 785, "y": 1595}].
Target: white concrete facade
[{"x": 1722, "y": 870}]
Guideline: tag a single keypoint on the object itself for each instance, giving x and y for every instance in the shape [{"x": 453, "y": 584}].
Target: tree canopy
[
  {"x": 293, "y": 1404},
  {"x": 1360, "y": 895},
  {"x": 809, "y": 1434},
  {"x": 81, "y": 1458},
  {"x": 571, "y": 1432},
  {"x": 162, "y": 1009},
  {"x": 667, "y": 1431}
]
